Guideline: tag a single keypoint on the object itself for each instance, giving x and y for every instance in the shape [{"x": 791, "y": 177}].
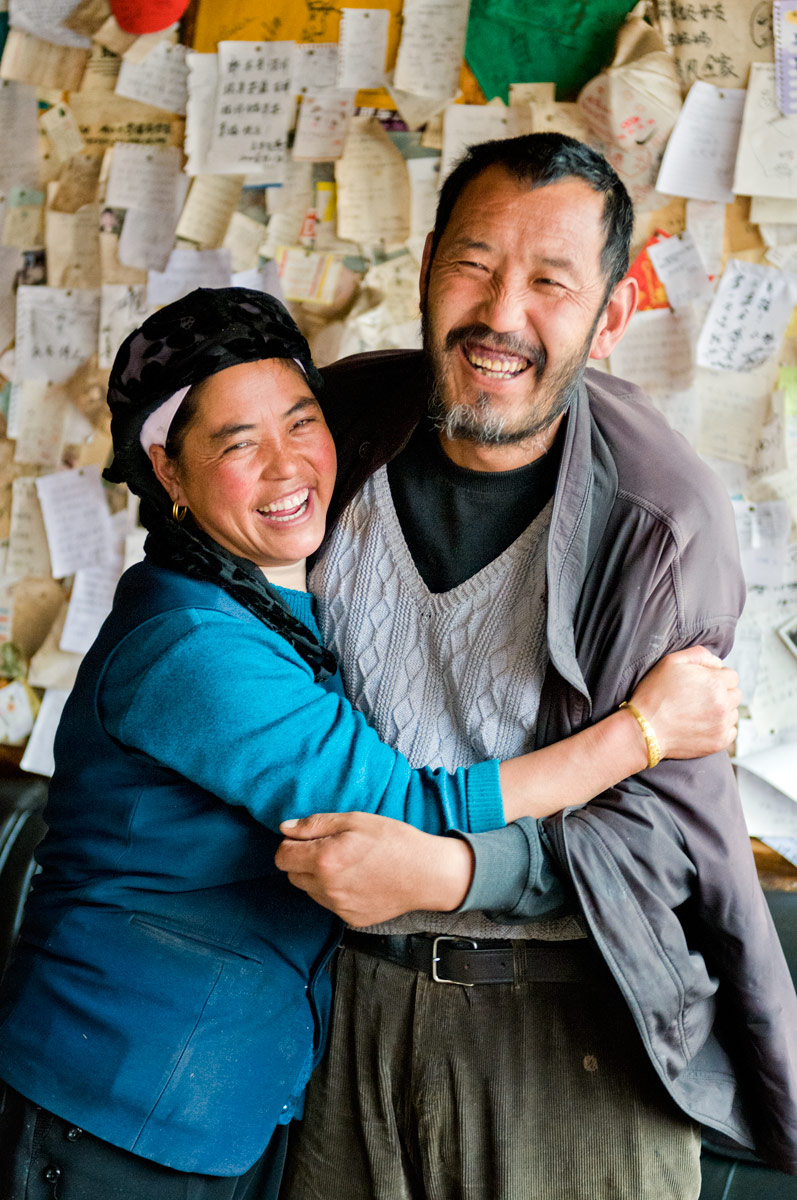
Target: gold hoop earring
[{"x": 179, "y": 511}]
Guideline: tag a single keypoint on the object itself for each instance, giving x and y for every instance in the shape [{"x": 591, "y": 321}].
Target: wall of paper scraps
[{"x": 298, "y": 148}]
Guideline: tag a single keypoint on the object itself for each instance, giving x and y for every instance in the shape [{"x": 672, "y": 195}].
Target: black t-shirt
[{"x": 454, "y": 520}]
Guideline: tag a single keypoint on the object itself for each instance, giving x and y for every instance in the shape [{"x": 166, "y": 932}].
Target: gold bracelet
[{"x": 648, "y": 733}]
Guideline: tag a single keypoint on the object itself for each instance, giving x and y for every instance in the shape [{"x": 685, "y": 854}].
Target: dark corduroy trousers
[
  {"x": 522, "y": 1091},
  {"x": 43, "y": 1157}
]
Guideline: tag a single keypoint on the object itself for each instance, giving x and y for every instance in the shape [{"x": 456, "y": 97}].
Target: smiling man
[{"x": 517, "y": 540}]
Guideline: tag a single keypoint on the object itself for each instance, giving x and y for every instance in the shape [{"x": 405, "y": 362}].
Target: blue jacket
[{"x": 167, "y": 993}]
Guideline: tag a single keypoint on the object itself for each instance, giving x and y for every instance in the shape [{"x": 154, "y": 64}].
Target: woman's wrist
[{"x": 453, "y": 875}]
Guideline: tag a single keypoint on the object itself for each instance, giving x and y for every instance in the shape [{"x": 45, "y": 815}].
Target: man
[{"x": 533, "y": 538}]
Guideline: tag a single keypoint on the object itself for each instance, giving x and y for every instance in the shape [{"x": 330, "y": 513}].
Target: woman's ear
[{"x": 165, "y": 470}]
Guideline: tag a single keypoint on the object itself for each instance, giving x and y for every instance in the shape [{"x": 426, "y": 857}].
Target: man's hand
[{"x": 368, "y": 868}]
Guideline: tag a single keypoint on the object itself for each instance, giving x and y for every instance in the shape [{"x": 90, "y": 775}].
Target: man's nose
[{"x": 504, "y": 309}]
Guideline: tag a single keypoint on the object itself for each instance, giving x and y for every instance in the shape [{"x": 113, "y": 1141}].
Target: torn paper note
[
  {"x": 715, "y": 41},
  {"x": 147, "y": 237},
  {"x": 40, "y": 417},
  {"x": 144, "y": 177},
  {"x": 763, "y": 532},
  {"x": 77, "y": 520},
  {"x": 56, "y": 330},
  {"x": 432, "y": 47},
  {"x": 362, "y": 47},
  {"x": 208, "y": 210},
  {"x": 323, "y": 121},
  {"x": 61, "y": 128},
  {"x": 19, "y": 164},
  {"x": 45, "y": 19},
  {"x": 161, "y": 77},
  {"x": 747, "y": 318},
  {"x": 72, "y": 243},
  {"x": 186, "y": 270},
  {"x": 705, "y": 221},
  {"x": 680, "y": 268},
  {"x": 700, "y": 155},
  {"x": 766, "y": 164},
  {"x": 373, "y": 186}
]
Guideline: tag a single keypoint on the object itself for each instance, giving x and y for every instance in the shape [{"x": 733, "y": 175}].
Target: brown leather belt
[{"x": 465, "y": 961}]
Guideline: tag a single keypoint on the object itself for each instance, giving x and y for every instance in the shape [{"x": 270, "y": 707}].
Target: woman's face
[{"x": 257, "y": 463}]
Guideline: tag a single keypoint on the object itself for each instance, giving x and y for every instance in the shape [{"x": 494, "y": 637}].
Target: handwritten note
[
  {"x": 705, "y": 221},
  {"x": 657, "y": 351},
  {"x": 72, "y": 243},
  {"x": 27, "y": 540},
  {"x": 323, "y": 121},
  {"x": 76, "y": 519},
  {"x": 784, "y": 15},
  {"x": 733, "y": 407},
  {"x": 747, "y": 318},
  {"x": 19, "y": 162},
  {"x": 186, "y": 270},
  {"x": 144, "y": 177},
  {"x": 716, "y": 41},
  {"x": 363, "y": 47},
  {"x": 423, "y": 173},
  {"x": 162, "y": 76},
  {"x": 45, "y": 19},
  {"x": 373, "y": 186},
  {"x": 147, "y": 236},
  {"x": 243, "y": 239},
  {"x": 123, "y": 307},
  {"x": 700, "y": 155},
  {"x": 679, "y": 267},
  {"x": 432, "y": 46},
  {"x": 56, "y": 330},
  {"x": 766, "y": 164},
  {"x": 763, "y": 532},
  {"x": 61, "y": 128},
  {"x": 253, "y": 106},
  {"x": 40, "y": 419},
  {"x": 307, "y": 274},
  {"x": 208, "y": 210}
]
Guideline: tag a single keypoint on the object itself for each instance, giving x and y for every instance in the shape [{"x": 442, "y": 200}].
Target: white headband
[{"x": 155, "y": 429}]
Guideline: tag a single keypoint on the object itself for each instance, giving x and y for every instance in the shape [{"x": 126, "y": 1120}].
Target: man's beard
[{"x": 476, "y": 422}]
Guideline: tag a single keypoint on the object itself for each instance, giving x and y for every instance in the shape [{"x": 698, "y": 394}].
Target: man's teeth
[
  {"x": 297, "y": 500},
  {"x": 504, "y": 367}
]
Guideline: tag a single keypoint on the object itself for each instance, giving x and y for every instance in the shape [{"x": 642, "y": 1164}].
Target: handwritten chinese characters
[{"x": 747, "y": 318}]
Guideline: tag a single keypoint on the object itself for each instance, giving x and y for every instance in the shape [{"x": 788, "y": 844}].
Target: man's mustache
[{"x": 508, "y": 343}]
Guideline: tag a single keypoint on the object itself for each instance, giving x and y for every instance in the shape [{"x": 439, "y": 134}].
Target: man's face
[{"x": 511, "y": 303}]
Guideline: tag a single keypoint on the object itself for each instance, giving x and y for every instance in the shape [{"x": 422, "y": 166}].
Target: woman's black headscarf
[{"x": 185, "y": 342}]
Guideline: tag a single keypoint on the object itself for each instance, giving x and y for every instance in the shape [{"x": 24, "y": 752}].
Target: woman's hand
[
  {"x": 368, "y": 868},
  {"x": 691, "y": 701}
]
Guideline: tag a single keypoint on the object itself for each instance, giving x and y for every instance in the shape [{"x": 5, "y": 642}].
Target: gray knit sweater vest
[{"x": 447, "y": 678}]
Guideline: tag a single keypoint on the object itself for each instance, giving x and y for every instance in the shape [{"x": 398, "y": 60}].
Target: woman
[{"x": 174, "y": 973}]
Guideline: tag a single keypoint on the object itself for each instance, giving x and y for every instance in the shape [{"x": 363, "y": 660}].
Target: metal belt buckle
[{"x": 447, "y": 937}]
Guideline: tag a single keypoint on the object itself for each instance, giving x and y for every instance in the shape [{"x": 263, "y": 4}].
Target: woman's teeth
[
  {"x": 292, "y": 506},
  {"x": 504, "y": 368}
]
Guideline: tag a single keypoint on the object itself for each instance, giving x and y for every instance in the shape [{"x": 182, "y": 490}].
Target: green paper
[
  {"x": 566, "y": 42},
  {"x": 787, "y": 382}
]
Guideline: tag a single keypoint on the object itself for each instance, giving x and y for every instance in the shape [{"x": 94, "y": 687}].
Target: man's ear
[
  {"x": 166, "y": 473},
  {"x": 614, "y": 319},
  {"x": 426, "y": 262}
]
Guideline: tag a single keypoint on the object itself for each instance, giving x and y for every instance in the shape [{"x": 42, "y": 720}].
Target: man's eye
[{"x": 467, "y": 262}]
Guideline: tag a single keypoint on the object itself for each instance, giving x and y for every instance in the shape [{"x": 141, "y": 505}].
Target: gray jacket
[{"x": 642, "y": 559}]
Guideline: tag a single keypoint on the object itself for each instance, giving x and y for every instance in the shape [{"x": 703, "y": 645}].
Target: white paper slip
[
  {"x": 423, "y": 173},
  {"x": 19, "y": 162},
  {"x": 777, "y": 765},
  {"x": 705, "y": 221},
  {"x": 62, "y": 129},
  {"x": 700, "y": 155},
  {"x": 45, "y": 20},
  {"x": 767, "y": 810},
  {"x": 657, "y": 351},
  {"x": 27, "y": 540},
  {"x": 208, "y": 210},
  {"x": 466, "y": 124},
  {"x": 89, "y": 605},
  {"x": 38, "y": 757},
  {"x": 315, "y": 66},
  {"x": 362, "y": 47},
  {"x": 123, "y": 307},
  {"x": 56, "y": 330},
  {"x": 253, "y": 107},
  {"x": 77, "y": 520},
  {"x": 774, "y": 705},
  {"x": 161, "y": 79},
  {"x": 747, "y": 318},
  {"x": 784, "y": 22},
  {"x": 744, "y": 658},
  {"x": 763, "y": 532},
  {"x": 323, "y": 121},
  {"x": 680, "y": 268},
  {"x": 186, "y": 270},
  {"x": 373, "y": 186},
  {"x": 785, "y": 846},
  {"x": 766, "y": 164},
  {"x": 432, "y": 46},
  {"x": 16, "y": 714},
  {"x": 200, "y": 107},
  {"x": 733, "y": 407},
  {"x": 144, "y": 177},
  {"x": 41, "y": 417}
]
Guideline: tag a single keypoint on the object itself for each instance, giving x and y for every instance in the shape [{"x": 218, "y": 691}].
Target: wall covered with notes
[{"x": 298, "y": 148}]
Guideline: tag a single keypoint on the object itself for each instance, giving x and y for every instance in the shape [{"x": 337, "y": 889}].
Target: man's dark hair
[{"x": 539, "y": 159}]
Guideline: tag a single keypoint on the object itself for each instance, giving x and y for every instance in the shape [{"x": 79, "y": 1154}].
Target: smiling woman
[{"x": 167, "y": 1000}]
